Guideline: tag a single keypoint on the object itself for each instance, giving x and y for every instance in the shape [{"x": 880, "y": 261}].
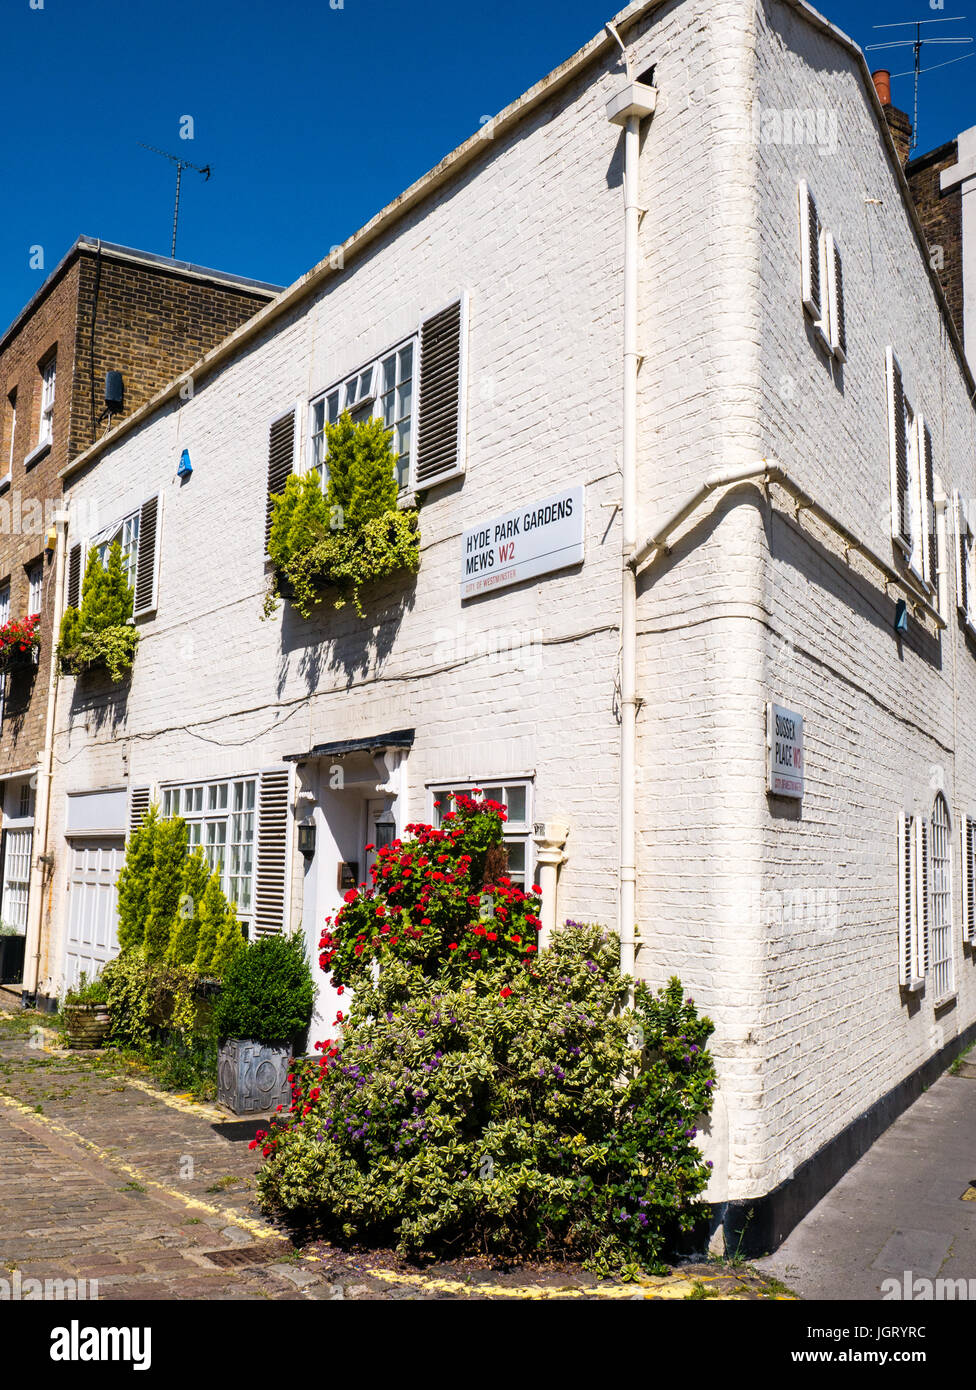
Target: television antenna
[
  {"x": 181, "y": 164},
  {"x": 916, "y": 45}
]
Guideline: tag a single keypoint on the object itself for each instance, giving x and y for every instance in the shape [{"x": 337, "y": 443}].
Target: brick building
[
  {"x": 748, "y": 741},
  {"x": 104, "y": 308}
]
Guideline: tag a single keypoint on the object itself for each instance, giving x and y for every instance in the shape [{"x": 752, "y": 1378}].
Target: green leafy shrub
[
  {"x": 99, "y": 634},
  {"x": 482, "y": 1096},
  {"x": 267, "y": 993},
  {"x": 88, "y": 992},
  {"x": 329, "y": 546},
  {"x": 151, "y": 1000},
  {"x": 508, "y": 1111}
]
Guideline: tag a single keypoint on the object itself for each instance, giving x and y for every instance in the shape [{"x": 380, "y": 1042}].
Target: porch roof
[{"x": 375, "y": 743}]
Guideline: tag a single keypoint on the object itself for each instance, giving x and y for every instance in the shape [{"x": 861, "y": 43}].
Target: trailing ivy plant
[
  {"x": 327, "y": 546},
  {"x": 99, "y": 633}
]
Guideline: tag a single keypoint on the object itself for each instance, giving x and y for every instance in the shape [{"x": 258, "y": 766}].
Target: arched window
[{"x": 940, "y": 899}]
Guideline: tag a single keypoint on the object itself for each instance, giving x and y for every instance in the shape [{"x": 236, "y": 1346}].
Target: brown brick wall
[
  {"x": 151, "y": 323},
  {"x": 941, "y": 217},
  {"x": 29, "y": 500}
]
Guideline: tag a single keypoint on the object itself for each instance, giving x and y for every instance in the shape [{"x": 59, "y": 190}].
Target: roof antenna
[
  {"x": 181, "y": 164},
  {"x": 916, "y": 45},
  {"x": 612, "y": 31}
]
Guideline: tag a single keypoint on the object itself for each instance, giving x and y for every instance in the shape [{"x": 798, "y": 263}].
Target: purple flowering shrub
[{"x": 517, "y": 1111}]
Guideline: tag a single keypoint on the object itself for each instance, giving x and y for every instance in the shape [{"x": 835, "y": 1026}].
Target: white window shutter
[
  {"x": 442, "y": 398},
  {"x": 906, "y": 894},
  {"x": 147, "y": 557},
  {"x": 930, "y": 540},
  {"x": 968, "y": 881},
  {"x": 837, "y": 326},
  {"x": 922, "y": 910},
  {"x": 811, "y": 287},
  {"x": 901, "y": 513},
  {"x": 962, "y": 537},
  {"x": 138, "y": 807},
  {"x": 74, "y": 577},
  {"x": 281, "y": 461},
  {"x": 271, "y": 877}
]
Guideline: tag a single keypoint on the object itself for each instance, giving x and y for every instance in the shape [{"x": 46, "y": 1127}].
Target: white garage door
[{"x": 92, "y": 922}]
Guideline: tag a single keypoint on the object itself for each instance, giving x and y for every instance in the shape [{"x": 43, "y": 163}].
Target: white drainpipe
[
  {"x": 42, "y": 801},
  {"x": 626, "y": 108}
]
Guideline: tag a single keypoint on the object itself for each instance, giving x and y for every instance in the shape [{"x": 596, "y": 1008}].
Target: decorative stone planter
[
  {"x": 88, "y": 1024},
  {"x": 11, "y": 960},
  {"x": 252, "y": 1079}
]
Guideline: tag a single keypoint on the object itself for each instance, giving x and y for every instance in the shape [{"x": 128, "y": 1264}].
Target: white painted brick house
[{"x": 834, "y": 980}]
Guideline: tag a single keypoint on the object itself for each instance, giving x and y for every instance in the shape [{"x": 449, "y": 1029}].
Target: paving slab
[{"x": 902, "y": 1208}]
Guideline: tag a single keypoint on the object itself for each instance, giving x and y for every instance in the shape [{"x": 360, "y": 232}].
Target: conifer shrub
[
  {"x": 99, "y": 633},
  {"x": 327, "y": 546},
  {"x": 170, "y": 906},
  {"x": 267, "y": 993}
]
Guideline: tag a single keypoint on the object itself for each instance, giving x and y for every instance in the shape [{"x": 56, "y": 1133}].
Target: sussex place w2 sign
[
  {"x": 784, "y": 741},
  {"x": 536, "y": 539}
]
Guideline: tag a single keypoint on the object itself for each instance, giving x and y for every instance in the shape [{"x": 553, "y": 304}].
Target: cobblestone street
[{"x": 153, "y": 1195}]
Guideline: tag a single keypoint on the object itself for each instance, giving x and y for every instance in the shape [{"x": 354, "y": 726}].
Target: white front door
[{"x": 92, "y": 919}]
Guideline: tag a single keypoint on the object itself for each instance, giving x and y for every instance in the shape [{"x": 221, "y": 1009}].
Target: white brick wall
[{"x": 811, "y": 1028}]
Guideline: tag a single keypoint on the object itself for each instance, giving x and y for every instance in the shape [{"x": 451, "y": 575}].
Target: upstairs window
[
  {"x": 35, "y": 587},
  {"x": 10, "y": 433},
  {"x": 127, "y": 535},
  {"x": 383, "y": 388},
  {"x": 49, "y": 374}
]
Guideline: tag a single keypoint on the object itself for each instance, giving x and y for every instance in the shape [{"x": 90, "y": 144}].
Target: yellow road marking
[
  {"x": 256, "y": 1228},
  {"x": 677, "y": 1288}
]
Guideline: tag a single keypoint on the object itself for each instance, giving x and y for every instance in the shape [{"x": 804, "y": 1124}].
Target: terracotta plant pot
[{"x": 87, "y": 1024}]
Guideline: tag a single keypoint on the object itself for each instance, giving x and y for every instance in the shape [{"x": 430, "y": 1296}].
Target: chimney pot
[{"x": 882, "y": 84}]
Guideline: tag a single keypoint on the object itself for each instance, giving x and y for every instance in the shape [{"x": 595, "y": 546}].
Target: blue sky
[{"x": 312, "y": 117}]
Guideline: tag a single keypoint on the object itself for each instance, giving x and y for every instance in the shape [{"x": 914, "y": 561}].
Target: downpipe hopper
[{"x": 634, "y": 99}]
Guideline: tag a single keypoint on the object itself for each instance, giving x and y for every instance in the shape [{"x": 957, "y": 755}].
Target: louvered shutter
[
  {"x": 922, "y": 913},
  {"x": 73, "y": 594},
  {"x": 281, "y": 461},
  {"x": 810, "y": 254},
  {"x": 901, "y": 525},
  {"x": 441, "y": 409},
  {"x": 930, "y": 542},
  {"x": 147, "y": 557},
  {"x": 835, "y": 301},
  {"x": 271, "y": 880},
  {"x": 962, "y": 554},
  {"x": 138, "y": 807},
  {"x": 968, "y": 881},
  {"x": 906, "y": 884}
]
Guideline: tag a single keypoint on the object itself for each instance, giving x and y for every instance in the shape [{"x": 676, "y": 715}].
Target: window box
[{"x": 19, "y": 643}]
